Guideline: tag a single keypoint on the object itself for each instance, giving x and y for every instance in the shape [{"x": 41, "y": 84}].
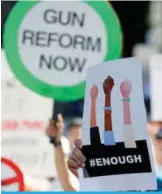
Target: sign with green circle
[{"x": 50, "y": 45}]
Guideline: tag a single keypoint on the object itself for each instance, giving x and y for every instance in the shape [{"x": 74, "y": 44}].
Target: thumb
[
  {"x": 78, "y": 143},
  {"x": 60, "y": 121},
  {"x": 60, "y": 118}
]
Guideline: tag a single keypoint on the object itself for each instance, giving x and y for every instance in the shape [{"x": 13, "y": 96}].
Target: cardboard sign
[
  {"x": 12, "y": 178},
  {"x": 51, "y": 56},
  {"x": 115, "y": 136},
  {"x": 31, "y": 151},
  {"x": 24, "y": 119},
  {"x": 20, "y": 105},
  {"x": 155, "y": 86}
]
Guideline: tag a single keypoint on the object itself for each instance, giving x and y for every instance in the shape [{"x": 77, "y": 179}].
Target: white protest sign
[
  {"x": 12, "y": 178},
  {"x": 56, "y": 41},
  {"x": 24, "y": 119},
  {"x": 155, "y": 87},
  {"x": 115, "y": 137},
  {"x": 30, "y": 150},
  {"x": 20, "y": 104}
]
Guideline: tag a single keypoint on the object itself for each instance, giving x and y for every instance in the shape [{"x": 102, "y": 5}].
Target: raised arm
[
  {"x": 125, "y": 89},
  {"x": 94, "y": 93},
  {"x": 108, "y": 132},
  {"x": 64, "y": 175},
  {"x": 94, "y": 130}
]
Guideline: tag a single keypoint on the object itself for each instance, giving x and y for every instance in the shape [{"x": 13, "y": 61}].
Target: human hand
[
  {"x": 125, "y": 88},
  {"x": 108, "y": 85},
  {"x": 55, "y": 129},
  {"x": 77, "y": 159},
  {"x": 94, "y": 92}
]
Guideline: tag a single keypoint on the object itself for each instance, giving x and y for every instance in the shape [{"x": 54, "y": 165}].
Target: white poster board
[
  {"x": 155, "y": 84},
  {"x": 24, "y": 118},
  {"x": 115, "y": 136}
]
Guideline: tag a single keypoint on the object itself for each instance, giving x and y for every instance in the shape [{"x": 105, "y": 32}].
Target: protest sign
[
  {"x": 53, "y": 43},
  {"x": 12, "y": 178},
  {"x": 21, "y": 107},
  {"x": 24, "y": 118},
  {"x": 31, "y": 151},
  {"x": 155, "y": 87},
  {"x": 115, "y": 137}
]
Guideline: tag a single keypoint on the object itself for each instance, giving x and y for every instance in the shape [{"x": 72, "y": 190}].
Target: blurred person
[
  {"x": 155, "y": 132},
  {"x": 74, "y": 130},
  {"x": 155, "y": 24},
  {"x": 55, "y": 132}
]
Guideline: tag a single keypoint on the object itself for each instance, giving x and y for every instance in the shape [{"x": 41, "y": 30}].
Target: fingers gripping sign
[{"x": 77, "y": 159}]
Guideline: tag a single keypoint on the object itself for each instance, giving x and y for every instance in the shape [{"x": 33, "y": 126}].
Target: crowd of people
[{"x": 67, "y": 165}]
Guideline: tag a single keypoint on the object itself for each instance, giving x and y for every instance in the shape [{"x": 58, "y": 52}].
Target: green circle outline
[{"x": 114, "y": 34}]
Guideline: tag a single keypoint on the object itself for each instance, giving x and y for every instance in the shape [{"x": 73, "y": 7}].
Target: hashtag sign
[{"x": 92, "y": 163}]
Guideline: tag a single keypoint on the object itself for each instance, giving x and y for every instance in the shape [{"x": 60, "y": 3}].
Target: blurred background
[{"x": 141, "y": 23}]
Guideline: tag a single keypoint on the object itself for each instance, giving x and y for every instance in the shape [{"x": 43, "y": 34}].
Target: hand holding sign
[
  {"x": 77, "y": 159},
  {"x": 55, "y": 128},
  {"x": 118, "y": 157}
]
